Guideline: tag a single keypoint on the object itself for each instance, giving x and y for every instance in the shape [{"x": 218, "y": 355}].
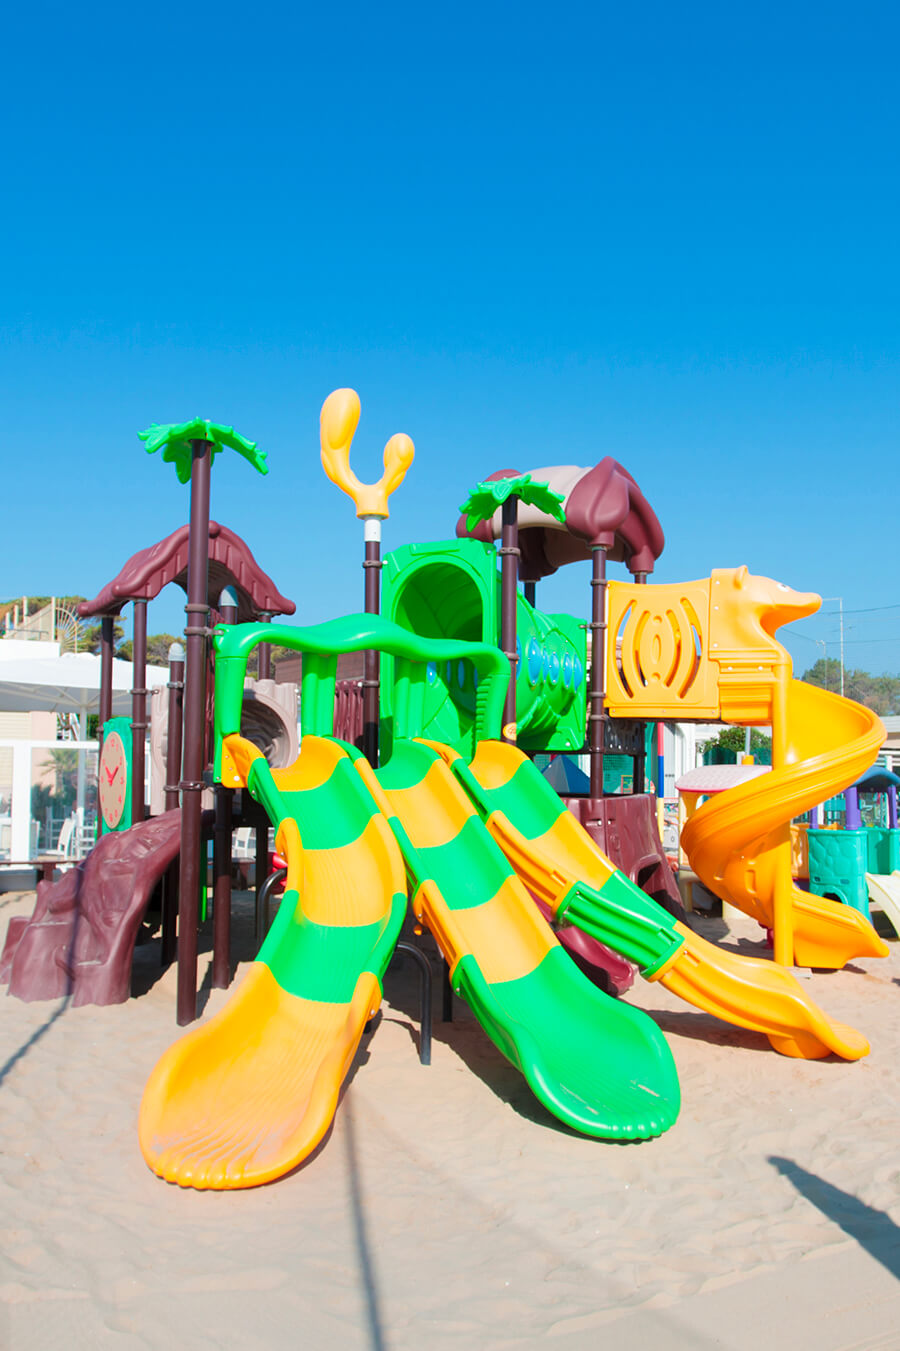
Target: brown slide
[{"x": 80, "y": 939}]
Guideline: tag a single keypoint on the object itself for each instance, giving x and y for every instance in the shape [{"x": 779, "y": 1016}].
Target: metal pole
[
  {"x": 639, "y": 782},
  {"x": 509, "y": 594},
  {"x": 261, "y": 828},
  {"x": 264, "y": 651},
  {"x": 597, "y": 693},
  {"x": 175, "y": 687},
  {"x": 106, "y": 661},
  {"x": 260, "y": 823},
  {"x": 221, "y": 970},
  {"x": 371, "y": 660},
  {"x": 192, "y": 785},
  {"x": 138, "y": 710},
  {"x": 172, "y": 796},
  {"x": 422, "y": 962}
]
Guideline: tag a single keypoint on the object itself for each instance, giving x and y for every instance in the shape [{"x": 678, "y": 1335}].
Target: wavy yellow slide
[
  {"x": 244, "y": 1098},
  {"x": 733, "y": 841},
  {"x": 561, "y": 865}
]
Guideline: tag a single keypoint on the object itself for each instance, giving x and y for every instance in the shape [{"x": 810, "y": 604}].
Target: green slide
[{"x": 598, "y": 1065}]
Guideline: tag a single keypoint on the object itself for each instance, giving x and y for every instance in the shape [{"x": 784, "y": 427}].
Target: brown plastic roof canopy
[
  {"x": 603, "y": 505},
  {"x": 230, "y": 564}
]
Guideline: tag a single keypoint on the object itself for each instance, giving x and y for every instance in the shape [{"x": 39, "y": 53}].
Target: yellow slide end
[
  {"x": 247, "y": 1096},
  {"x": 758, "y": 995}
]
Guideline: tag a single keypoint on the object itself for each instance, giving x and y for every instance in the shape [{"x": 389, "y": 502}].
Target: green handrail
[{"x": 321, "y": 644}]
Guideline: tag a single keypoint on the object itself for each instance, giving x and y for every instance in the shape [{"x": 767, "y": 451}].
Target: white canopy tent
[
  {"x": 69, "y": 683},
  {"x": 43, "y": 680}
]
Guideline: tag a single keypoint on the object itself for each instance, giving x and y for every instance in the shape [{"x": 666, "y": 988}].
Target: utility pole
[{"x": 840, "y": 601}]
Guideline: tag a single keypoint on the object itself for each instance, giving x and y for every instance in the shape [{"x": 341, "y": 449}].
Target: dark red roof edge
[{"x": 230, "y": 562}]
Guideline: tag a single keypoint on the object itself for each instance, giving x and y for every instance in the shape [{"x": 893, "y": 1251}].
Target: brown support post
[
  {"x": 531, "y": 592},
  {"x": 106, "y": 661},
  {"x": 509, "y": 592},
  {"x": 138, "y": 710},
  {"x": 173, "y": 796},
  {"x": 371, "y": 660},
  {"x": 640, "y": 761},
  {"x": 261, "y": 833},
  {"x": 597, "y": 693},
  {"x": 221, "y": 972},
  {"x": 264, "y": 651},
  {"x": 194, "y": 731}
]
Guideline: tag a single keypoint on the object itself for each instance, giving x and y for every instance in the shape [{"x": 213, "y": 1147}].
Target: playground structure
[
  {"x": 449, "y": 809},
  {"x": 859, "y": 863},
  {"x": 80, "y": 940}
]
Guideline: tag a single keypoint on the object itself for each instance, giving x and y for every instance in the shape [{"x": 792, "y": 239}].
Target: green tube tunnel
[{"x": 451, "y": 589}]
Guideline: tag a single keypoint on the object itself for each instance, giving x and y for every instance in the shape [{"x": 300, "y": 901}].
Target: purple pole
[
  {"x": 852, "y": 817},
  {"x": 892, "y": 806}
]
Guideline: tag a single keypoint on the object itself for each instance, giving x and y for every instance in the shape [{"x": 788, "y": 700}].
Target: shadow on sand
[{"x": 872, "y": 1229}]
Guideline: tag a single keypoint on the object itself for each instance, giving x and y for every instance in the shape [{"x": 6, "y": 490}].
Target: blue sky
[{"x": 525, "y": 234}]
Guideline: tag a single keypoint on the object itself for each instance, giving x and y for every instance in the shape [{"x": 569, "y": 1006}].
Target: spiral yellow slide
[
  {"x": 733, "y": 841},
  {"x": 706, "y": 650}
]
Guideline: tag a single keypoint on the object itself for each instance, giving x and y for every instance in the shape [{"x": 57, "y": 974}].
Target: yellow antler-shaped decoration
[{"x": 338, "y": 423}]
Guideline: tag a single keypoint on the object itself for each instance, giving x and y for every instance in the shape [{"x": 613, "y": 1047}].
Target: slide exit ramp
[
  {"x": 600, "y": 1066},
  {"x": 562, "y": 865},
  {"x": 247, "y": 1096}
]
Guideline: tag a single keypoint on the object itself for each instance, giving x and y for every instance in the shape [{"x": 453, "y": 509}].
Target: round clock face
[{"x": 113, "y": 773}]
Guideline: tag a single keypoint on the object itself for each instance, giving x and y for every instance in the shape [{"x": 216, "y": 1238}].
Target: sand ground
[{"x": 446, "y": 1208}]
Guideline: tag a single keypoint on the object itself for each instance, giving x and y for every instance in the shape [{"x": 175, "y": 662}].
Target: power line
[
  {"x": 871, "y": 610},
  {"x": 869, "y": 642}
]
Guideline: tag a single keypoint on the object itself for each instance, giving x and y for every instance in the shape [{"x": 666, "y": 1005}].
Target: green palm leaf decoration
[
  {"x": 175, "y": 438},
  {"x": 484, "y": 500}
]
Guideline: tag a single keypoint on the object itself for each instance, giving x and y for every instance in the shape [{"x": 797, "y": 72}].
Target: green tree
[
  {"x": 158, "y": 645},
  {"x": 734, "y": 739},
  {"x": 880, "y": 693},
  {"x": 92, "y": 635}
]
